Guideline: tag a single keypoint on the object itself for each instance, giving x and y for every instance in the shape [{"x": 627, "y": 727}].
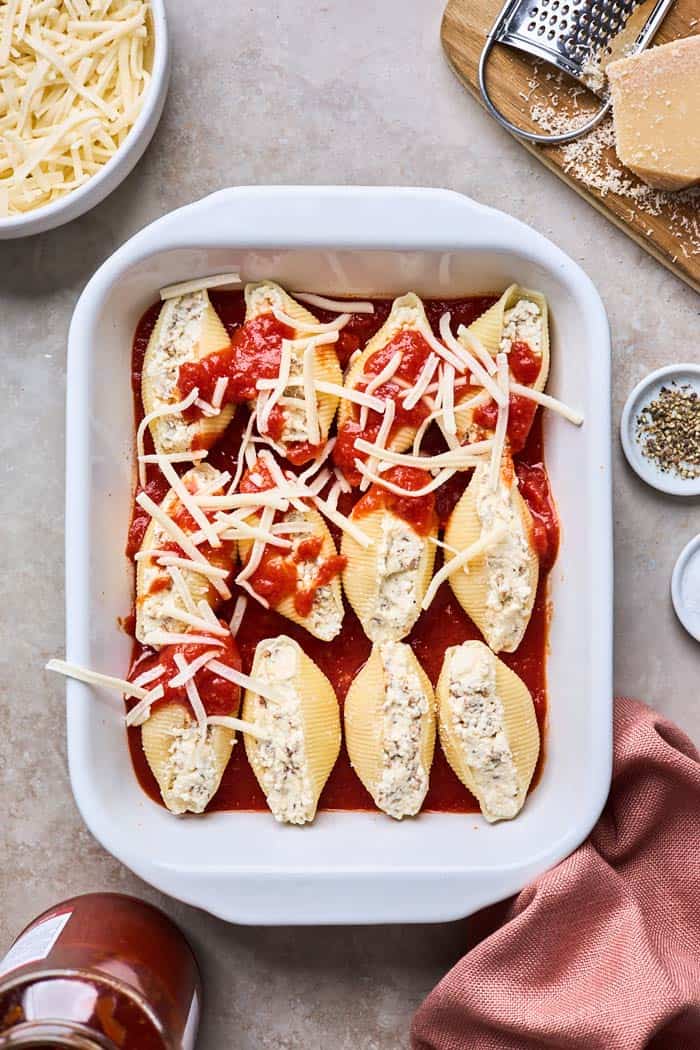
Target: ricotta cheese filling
[
  {"x": 326, "y": 615},
  {"x": 478, "y": 718},
  {"x": 296, "y": 424},
  {"x": 283, "y": 768},
  {"x": 509, "y": 591},
  {"x": 398, "y": 561},
  {"x": 181, "y": 324},
  {"x": 404, "y": 781},
  {"x": 522, "y": 324},
  {"x": 191, "y": 771}
]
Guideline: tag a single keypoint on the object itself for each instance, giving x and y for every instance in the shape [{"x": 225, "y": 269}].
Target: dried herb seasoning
[{"x": 668, "y": 430}]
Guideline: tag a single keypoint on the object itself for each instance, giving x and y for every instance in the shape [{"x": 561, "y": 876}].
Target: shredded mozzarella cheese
[
  {"x": 73, "y": 84},
  {"x": 334, "y": 305}
]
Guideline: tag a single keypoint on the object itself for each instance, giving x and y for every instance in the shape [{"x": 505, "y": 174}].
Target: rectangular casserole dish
[{"x": 346, "y": 867}]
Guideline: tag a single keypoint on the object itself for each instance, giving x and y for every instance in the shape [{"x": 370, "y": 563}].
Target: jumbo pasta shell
[
  {"x": 379, "y": 726},
  {"x": 260, "y": 298},
  {"x": 494, "y": 746},
  {"x": 188, "y": 329},
  {"x": 407, "y": 312},
  {"x": 488, "y": 328},
  {"x": 387, "y": 603},
  {"x": 325, "y": 619},
  {"x": 303, "y": 724},
  {"x": 471, "y": 588},
  {"x": 187, "y": 769},
  {"x": 154, "y": 585}
]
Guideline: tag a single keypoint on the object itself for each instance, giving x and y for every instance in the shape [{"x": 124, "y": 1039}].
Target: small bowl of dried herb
[{"x": 660, "y": 429}]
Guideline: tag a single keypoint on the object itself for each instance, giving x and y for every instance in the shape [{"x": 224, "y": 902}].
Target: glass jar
[{"x": 100, "y": 972}]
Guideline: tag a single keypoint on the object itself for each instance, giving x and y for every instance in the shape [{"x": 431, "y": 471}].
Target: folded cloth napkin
[{"x": 603, "y": 951}]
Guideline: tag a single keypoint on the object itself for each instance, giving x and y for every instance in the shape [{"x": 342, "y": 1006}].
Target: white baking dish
[{"x": 346, "y": 867}]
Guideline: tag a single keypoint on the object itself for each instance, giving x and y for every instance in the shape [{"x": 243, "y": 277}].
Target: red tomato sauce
[
  {"x": 253, "y": 353},
  {"x": 415, "y": 351},
  {"x": 219, "y": 696},
  {"x": 276, "y": 577},
  {"x": 418, "y": 511},
  {"x": 521, "y": 413},
  {"x": 524, "y": 363},
  {"x": 444, "y": 624}
]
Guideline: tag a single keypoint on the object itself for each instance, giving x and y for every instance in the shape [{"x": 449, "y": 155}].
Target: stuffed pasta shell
[
  {"x": 290, "y": 352},
  {"x": 377, "y": 405},
  {"x": 497, "y": 585},
  {"x": 188, "y": 332},
  {"x": 488, "y": 728},
  {"x": 517, "y": 325},
  {"x": 168, "y": 594},
  {"x": 298, "y": 571},
  {"x": 187, "y": 754},
  {"x": 386, "y": 581},
  {"x": 389, "y": 716},
  {"x": 294, "y": 705}
]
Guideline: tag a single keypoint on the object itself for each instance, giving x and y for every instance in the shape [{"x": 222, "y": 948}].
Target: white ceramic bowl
[
  {"x": 684, "y": 587},
  {"x": 346, "y": 867},
  {"x": 643, "y": 393},
  {"x": 115, "y": 170}
]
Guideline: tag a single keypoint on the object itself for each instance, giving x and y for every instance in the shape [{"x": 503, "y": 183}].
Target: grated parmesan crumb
[{"x": 592, "y": 161}]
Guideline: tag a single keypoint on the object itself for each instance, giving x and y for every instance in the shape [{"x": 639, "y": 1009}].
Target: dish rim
[
  {"x": 103, "y": 182},
  {"x": 486, "y": 229}
]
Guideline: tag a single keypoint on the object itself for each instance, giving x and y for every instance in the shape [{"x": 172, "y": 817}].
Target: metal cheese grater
[{"x": 569, "y": 35}]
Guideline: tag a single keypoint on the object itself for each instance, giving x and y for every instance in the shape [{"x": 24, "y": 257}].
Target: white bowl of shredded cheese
[{"x": 83, "y": 88}]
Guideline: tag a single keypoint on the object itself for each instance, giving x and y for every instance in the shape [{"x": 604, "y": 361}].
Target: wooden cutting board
[{"x": 537, "y": 97}]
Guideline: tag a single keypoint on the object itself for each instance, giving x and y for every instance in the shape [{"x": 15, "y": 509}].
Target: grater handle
[{"x": 529, "y": 136}]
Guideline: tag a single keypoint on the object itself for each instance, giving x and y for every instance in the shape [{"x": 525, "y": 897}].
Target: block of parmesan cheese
[{"x": 656, "y": 113}]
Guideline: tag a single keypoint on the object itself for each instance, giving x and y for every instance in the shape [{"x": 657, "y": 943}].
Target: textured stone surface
[{"x": 315, "y": 93}]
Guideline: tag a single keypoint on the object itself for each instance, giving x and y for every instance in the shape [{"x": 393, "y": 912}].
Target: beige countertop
[{"x": 324, "y": 92}]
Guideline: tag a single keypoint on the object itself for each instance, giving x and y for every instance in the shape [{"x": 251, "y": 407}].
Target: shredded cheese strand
[
  {"x": 460, "y": 560},
  {"x": 239, "y": 610},
  {"x": 475, "y": 344},
  {"x": 84, "y": 674},
  {"x": 306, "y": 326},
  {"x": 157, "y": 413},
  {"x": 173, "y": 291},
  {"x": 161, "y": 637},
  {"x": 336, "y": 306},
  {"x": 437, "y": 481},
  {"x": 422, "y": 383},
  {"x": 468, "y": 361},
  {"x": 229, "y": 722},
  {"x": 181, "y": 538},
  {"x": 188, "y": 501},
  {"x": 547, "y": 401},
  {"x": 499, "y": 439},
  {"x": 308, "y": 367},
  {"x": 193, "y": 695},
  {"x": 245, "y": 681}
]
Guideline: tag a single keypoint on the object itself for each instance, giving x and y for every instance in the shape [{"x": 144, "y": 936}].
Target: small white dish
[
  {"x": 685, "y": 587},
  {"x": 642, "y": 394},
  {"x": 124, "y": 160}
]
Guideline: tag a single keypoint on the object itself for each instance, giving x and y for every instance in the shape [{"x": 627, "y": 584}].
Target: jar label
[
  {"x": 35, "y": 944},
  {"x": 190, "y": 1034}
]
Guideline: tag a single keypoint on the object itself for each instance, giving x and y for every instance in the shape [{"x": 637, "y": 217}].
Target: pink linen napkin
[{"x": 603, "y": 951}]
